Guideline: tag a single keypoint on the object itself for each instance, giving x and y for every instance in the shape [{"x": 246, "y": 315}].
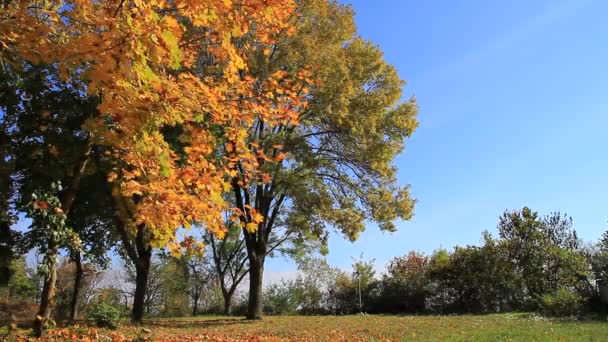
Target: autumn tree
[
  {"x": 337, "y": 152},
  {"x": 142, "y": 60}
]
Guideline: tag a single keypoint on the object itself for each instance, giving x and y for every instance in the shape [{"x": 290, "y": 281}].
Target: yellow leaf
[{"x": 251, "y": 227}]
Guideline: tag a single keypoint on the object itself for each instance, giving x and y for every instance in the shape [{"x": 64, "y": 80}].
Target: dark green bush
[{"x": 104, "y": 315}]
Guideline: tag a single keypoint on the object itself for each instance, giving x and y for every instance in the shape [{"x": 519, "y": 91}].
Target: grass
[{"x": 501, "y": 327}]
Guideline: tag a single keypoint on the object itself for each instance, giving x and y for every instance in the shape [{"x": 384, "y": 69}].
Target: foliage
[
  {"x": 196, "y": 280},
  {"x": 104, "y": 315},
  {"x": 357, "y": 292},
  {"x": 543, "y": 251},
  {"x": 405, "y": 287},
  {"x": 281, "y": 298},
  {"x": 49, "y": 226},
  {"x": 144, "y": 67},
  {"x": 315, "y": 281},
  {"x": 24, "y": 284},
  {"x": 599, "y": 260},
  {"x": 562, "y": 302}
]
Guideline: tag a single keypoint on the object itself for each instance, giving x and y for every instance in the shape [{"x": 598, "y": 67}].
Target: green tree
[
  {"x": 356, "y": 292},
  {"x": 50, "y": 146},
  {"x": 24, "y": 282},
  {"x": 599, "y": 260},
  {"x": 544, "y": 252},
  {"x": 315, "y": 280}
]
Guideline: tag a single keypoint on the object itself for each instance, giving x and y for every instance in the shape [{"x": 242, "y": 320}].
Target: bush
[
  {"x": 561, "y": 303},
  {"x": 104, "y": 315}
]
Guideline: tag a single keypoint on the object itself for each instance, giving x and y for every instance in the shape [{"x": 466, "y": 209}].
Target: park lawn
[{"x": 500, "y": 327}]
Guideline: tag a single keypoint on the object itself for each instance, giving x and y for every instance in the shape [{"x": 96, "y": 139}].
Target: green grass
[{"x": 500, "y": 327}]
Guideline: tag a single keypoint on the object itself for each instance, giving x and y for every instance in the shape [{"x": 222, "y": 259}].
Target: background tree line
[{"x": 535, "y": 264}]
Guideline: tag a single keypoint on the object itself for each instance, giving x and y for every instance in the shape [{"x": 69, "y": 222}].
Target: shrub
[
  {"x": 104, "y": 315},
  {"x": 562, "y": 302}
]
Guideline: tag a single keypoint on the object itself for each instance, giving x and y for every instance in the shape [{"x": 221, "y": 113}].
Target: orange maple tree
[{"x": 156, "y": 64}]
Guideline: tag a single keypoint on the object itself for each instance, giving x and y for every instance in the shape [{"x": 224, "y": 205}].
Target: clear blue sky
[{"x": 513, "y": 102}]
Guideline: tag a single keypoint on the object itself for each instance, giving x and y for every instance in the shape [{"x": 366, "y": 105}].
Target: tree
[
  {"x": 405, "y": 286},
  {"x": 50, "y": 147},
  {"x": 7, "y": 236},
  {"x": 68, "y": 272},
  {"x": 163, "y": 274},
  {"x": 199, "y": 277},
  {"x": 49, "y": 233},
  {"x": 142, "y": 60},
  {"x": 230, "y": 261},
  {"x": 357, "y": 292},
  {"x": 315, "y": 280},
  {"x": 337, "y": 169},
  {"x": 24, "y": 282},
  {"x": 92, "y": 219},
  {"x": 599, "y": 260},
  {"x": 544, "y": 252}
]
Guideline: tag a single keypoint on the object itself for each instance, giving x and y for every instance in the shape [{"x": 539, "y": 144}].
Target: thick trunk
[
  {"x": 6, "y": 249},
  {"x": 47, "y": 296},
  {"x": 77, "y": 284},
  {"x": 7, "y": 240},
  {"x": 256, "y": 273},
  {"x": 142, "y": 269}
]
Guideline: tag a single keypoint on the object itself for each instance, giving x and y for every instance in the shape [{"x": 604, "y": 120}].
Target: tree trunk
[
  {"x": 48, "y": 290},
  {"x": 195, "y": 306},
  {"x": 6, "y": 249},
  {"x": 47, "y": 296},
  {"x": 256, "y": 273},
  {"x": 77, "y": 284},
  {"x": 142, "y": 270},
  {"x": 228, "y": 303}
]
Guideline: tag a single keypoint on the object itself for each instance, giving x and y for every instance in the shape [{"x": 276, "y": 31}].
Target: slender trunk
[
  {"x": 256, "y": 273},
  {"x": 195, "y": 306},
  {"x": 47, "y": 296},
  {"x": 228, "y": 303},
  {"x": 226, "y": 294},
  {"x": 77, "y": 284},
  {"x": 142, "y": 269},
  {"x": 48, "y": 290}
]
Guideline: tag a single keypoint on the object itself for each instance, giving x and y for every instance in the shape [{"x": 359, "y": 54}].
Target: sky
[{"x": 513, "y": 100}]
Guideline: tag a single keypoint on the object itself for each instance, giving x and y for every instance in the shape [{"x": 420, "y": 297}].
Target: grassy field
[{"x": 504, "y": 327}]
